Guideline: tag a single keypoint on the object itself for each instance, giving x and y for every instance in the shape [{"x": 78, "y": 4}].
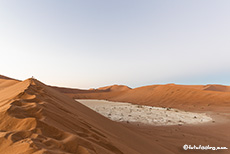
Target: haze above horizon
[{"x": 86, "y": 44}]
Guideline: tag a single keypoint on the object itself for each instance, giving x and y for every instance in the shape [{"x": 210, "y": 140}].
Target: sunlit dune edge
[{"x": 35, "y": 118}]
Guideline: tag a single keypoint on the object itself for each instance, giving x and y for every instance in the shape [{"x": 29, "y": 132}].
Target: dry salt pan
[{"x": 131, "y": 113}]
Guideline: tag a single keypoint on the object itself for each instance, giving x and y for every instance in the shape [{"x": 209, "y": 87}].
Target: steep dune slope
[
  {"x": 175, "y": 96},
  {"x": 6, "y": 82},
  {"x": 37, "y": 119},
  {"x": 115, "y": 88},
  {"x": 5, "y": 77},
  {"x": 107, "y": 92},
  {"x": 170, "y": 95},
  {"x": 220, "y": 88},
  {"x": 190, "y": 98}
]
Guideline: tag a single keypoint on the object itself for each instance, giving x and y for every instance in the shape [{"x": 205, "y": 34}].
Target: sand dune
[
  {"x": 115, "y": 88},
  {"x": 220, "y": 88},
  {"x": 196, "y": 98},
  {"x": 103, "y": 92},
  {"x": 35, "y": 118},
  {"x": 191, "y": 97},
  {"x": 6, "y": 78},
  {"x": 6, "y": 82},
  {"x": 177, "y": 96}
]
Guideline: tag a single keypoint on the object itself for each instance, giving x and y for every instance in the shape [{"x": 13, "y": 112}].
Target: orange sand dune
[
  {"x": 197, "y": 98},
  {"x": 35, "y": 118},
  {"x": 220, "y": 88},
  {"x": 100, "y": 93},
  {"x": 102, "y": 89},
  {"x": 187, "y": 97},
  {"x": 115, "y": 88},
  {"x": 6, "y": 82},
  {"x": 7, "y": 78},
  {"x": 177, "y": 96}
]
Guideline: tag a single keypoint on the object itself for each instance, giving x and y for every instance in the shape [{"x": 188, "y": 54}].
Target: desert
[
  {"x": 142, "y": 114},
  {"x": 114, "y": 77},
  {"x": 36, "y": 118}
]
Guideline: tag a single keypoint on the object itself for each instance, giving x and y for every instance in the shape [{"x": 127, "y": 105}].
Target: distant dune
[
  {"x": 178, "y": 96},
  {"x": 5, "y": 77},
  {"x": 115, "y": 88},
  {"x": 100, "y": 93},
  {"x": 170, "y": 95},
  {"x": 112, "y": 88},
  {"x": 6, "y": 81},
  {"x": 195, "y": 98},
  {"x": 220, "y": 88},
  {"x": 40, "y": 119},
  {"x": 35, "y": 118}
]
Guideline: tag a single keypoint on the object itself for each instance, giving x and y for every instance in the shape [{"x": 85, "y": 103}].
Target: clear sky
[{"x": 92, "y": 43}]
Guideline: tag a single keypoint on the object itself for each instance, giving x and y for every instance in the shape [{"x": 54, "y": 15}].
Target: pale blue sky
[{"x": 92, "y": 43}]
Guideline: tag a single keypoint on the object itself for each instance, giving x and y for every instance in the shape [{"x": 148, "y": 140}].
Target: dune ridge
[
  {"x": 24, "y": 125},
  {"x": 115, "y": 88},
  {"x": 187, "y": 97},
  {"x": 177, "y": 96},
  {"x": 7, "y": 78},
  {"x": 220, "y": 88},
  {"x": 6, "y": 81},
  {"x": 194, "y": 98},
  {"x": 37, "y": 119}
]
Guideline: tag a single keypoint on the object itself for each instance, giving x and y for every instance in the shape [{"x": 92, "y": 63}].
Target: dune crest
[
  {"x": 115, "y": 88},
  {"x": 6, "y": 82},
  {"x": 29, "y": 119},
  {"x": 5, "y": 77},
  {"x": 37, "y": 119},
  {"x": 188, "y": 97},
  {"x": 220, "y": 88}
]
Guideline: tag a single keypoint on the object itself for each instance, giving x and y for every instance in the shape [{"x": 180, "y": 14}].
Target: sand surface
[
  {"x": 213, "y": 100},
  {"x": 184, "y": 97},
  {"x": 35, "y": 118},
  {"x": 148, "y": 115}
]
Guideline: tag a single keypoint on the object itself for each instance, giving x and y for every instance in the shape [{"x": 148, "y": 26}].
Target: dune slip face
[
  {"x": 35, "y": 118},
  {"x": 193, "y": 98},
  {"x": 141, "y": 114}
]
